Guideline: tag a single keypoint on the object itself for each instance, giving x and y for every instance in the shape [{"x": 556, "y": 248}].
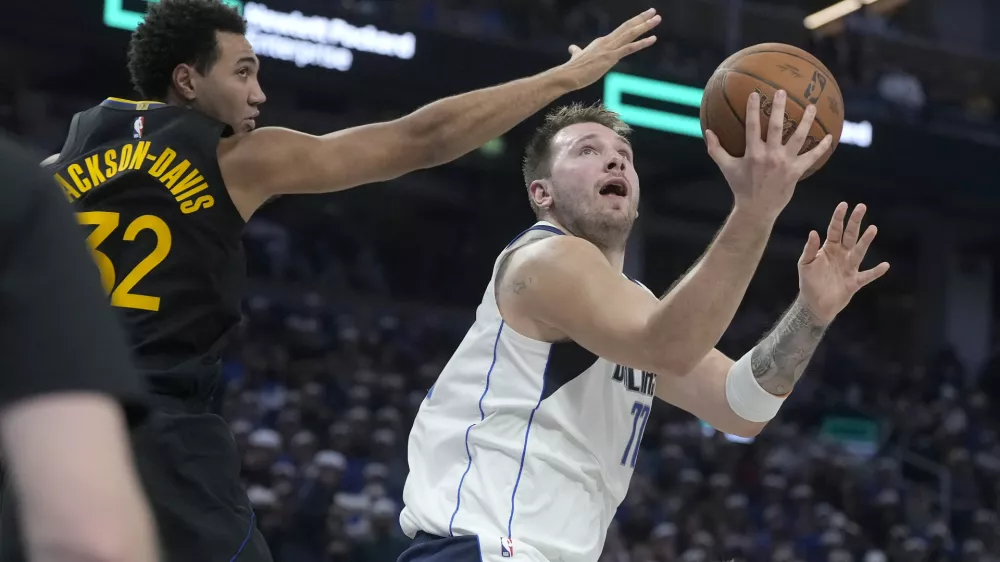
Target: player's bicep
[
  {"x": 567, "y": 284},
  {"x": 278, "y": 161}
]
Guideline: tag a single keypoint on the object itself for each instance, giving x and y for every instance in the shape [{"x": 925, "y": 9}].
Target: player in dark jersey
[
  {"x": 63, "y": 396},
  {"x": 163, "y": 188}
]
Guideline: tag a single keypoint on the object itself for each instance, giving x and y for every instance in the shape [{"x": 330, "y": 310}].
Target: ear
[
  {"x": 184, "y": 78},
  {"x": 540, "y": 192}
]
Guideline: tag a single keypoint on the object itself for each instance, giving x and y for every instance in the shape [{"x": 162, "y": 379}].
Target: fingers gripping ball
[{"x": 766, "y": 68}]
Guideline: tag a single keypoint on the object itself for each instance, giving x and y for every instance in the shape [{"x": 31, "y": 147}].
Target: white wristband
[{"x": 745, "y": 395}]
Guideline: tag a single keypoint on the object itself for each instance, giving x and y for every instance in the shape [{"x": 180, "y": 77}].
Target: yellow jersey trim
[{"x": 130, "y": 105}]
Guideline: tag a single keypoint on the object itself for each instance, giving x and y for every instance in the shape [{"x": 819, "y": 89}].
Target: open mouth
[{"x": 615, "y": 187}]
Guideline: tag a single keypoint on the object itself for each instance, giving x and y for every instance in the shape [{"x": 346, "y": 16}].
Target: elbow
[
  {"x": 423, "y": 141},
  {"x": 748, "y": 430},
  {"x": 672, "y": 355},
  {"x": 679, "y": 364},
  {"x": 741, "y": 428},
  {"x": 126, "y": 536},
  {"x": 109, "y": 547}
]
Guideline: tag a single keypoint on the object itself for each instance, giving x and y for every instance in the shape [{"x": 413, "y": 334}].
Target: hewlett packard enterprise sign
[
  {"x": 309, "y": 40},
  {"x": 303, "y": 39}
]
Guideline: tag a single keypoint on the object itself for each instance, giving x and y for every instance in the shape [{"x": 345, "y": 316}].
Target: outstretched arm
[
  {"x": 565, "y": 285},
  {"x": 273, "y": 161},
  {"x": 741, "y": 397}
]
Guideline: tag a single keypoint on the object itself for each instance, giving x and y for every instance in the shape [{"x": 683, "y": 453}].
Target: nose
[
  {"x": 617, "y": 162},
  {"x": 257, "y": 96}
]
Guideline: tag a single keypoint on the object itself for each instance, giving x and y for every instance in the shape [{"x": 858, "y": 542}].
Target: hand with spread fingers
[
  {"x": 589, "y": 64},
  {"x": 829, "y": 275},
  {"x": 764, "y": 178}
]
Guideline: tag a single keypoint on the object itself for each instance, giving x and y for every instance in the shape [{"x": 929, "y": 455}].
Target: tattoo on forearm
[{"x": 780, "y": 359}]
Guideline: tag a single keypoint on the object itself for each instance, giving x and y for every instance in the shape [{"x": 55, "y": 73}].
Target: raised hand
[
  {"x": 764, "y": 178},
  {"x": 589, "y": 64},
  {"x": 829, "y": 275}
]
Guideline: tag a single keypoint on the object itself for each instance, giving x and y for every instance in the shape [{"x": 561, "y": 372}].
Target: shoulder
[
  {"x": 529, "y": 280},
  {"x": 251, "y": 162},
  {"x": 539, "y": 268},
  {"x": 262, "y": 150},
  {"x": 555, "y": 256}
]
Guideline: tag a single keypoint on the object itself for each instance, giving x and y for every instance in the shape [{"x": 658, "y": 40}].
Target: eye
[
  {"x": 626, "y": 154},
  {"x": 243, "y": 72},
  {"x": 588, "y": 150}
]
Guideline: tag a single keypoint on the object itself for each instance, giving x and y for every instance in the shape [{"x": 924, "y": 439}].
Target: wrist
[
  {"x": 561, "y": 78},
  {"x": 748, "y": 216},
  {"x": 816, "y": 318},
  {"x": 746, "y": 397}
]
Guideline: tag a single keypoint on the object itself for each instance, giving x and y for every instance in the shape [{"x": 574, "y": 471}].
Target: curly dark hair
[{"x": 178, "y": 32}]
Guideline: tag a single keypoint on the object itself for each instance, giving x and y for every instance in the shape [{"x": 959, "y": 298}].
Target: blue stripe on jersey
[
  {"x": 524, "y": 452},
  {"x": 246, "y": 539},
  {"x": 545, "y": 227},
  {"x": 482, "y": 416}
]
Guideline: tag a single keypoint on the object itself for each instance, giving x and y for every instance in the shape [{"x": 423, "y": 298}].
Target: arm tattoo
[
  {"x": 519, "y": 285},
  {"x": 516, "y": 286},
  {"x": 779, "y": 360}
]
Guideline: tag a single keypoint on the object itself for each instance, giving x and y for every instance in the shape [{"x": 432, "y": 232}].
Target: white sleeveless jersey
[{"x": 529, "y": 445}]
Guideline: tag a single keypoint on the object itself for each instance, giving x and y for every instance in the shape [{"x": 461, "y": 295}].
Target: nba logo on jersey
[
  {"x": 137, "y": 127},
  {"x": 506, "y": 547}
]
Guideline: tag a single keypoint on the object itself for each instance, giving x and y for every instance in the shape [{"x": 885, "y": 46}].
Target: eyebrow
[
  {"x": 590, "y": 136},
  {"x": 247, "y": 59}
]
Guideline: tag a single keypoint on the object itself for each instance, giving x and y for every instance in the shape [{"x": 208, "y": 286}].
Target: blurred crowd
[
  {"x": 691, "y": 44},
  {"x": 874, "y": 458},
  {"x": 878, "y": 456}
]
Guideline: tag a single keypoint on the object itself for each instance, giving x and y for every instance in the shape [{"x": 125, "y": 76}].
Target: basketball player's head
[
  {"x": 579, "y": 173},
  {"x": 195, "y": 53}
]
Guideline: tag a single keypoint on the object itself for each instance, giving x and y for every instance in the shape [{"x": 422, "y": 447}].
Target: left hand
[
  {"x": 829, "y": 275},
  {"x": 591, "y": 63}
]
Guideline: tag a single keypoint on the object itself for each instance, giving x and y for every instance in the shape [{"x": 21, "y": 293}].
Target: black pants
[
  {"x": 190, "y": 468},
  {"x": 431, "y": 548}
]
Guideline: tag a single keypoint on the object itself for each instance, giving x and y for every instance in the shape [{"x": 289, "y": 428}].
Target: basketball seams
[
  {"x": 776, "y": 87},
  {"x": 816, "y": 64},
  {"x": 729, "y": 103}
]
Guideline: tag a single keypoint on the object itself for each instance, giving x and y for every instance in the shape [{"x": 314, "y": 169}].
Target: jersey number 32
[{"x": 106, "y": 223}]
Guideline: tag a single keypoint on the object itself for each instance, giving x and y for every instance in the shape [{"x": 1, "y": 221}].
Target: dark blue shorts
[{"x": 431, "y": 548}]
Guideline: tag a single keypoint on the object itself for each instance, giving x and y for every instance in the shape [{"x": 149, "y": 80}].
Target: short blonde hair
[{"x": 538, "y": 152}]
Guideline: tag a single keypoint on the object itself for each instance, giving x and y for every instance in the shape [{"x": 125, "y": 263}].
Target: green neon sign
[
  {"x": 617, "y": 85},
  {"x": 115, "y": 14}
]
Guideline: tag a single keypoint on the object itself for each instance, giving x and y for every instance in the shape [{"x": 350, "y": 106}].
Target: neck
[
  {"x": 174, "y": 99},
  {"x": 615, "y": 256}
]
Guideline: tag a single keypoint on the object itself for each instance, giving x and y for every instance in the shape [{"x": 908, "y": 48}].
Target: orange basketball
[{"x": 767, "y": 68}]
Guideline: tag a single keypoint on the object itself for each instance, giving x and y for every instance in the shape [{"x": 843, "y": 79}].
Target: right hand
[
  {"x": 588, "y": 65},
  {"x": 764, "y": 178}
]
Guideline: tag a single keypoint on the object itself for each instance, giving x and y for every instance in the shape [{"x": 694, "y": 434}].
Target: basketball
[{"x": 767, "y": 68}]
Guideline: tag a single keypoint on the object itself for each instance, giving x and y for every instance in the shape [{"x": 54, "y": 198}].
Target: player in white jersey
[{"x": 525, "y": 445}]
